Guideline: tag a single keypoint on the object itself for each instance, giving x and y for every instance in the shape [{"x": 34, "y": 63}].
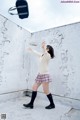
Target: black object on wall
[{"x": 22, "y": 9}]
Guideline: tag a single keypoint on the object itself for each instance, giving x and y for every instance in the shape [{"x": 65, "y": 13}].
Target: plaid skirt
[{"x": 43, "y": 78}]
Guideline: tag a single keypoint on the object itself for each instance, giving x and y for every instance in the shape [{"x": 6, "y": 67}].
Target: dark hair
[{"x": 51, "y": 51}]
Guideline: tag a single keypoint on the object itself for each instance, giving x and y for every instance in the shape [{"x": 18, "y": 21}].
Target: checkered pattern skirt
[{"x": 43, "y": 78}]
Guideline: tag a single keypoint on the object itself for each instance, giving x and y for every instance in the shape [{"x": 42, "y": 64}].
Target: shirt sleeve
[
  {"x": 37, "y": 53},
  {"x": 47, "y": 56}
]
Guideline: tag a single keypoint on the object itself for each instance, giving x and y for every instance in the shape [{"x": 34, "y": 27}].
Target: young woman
[{"x": 43, "y": 77}]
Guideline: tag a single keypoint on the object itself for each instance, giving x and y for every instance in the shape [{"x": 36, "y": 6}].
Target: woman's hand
[{"x": 44, "y": 45}]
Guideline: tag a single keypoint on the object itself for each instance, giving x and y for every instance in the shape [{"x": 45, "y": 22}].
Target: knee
[{"x": 34, "y": 88}]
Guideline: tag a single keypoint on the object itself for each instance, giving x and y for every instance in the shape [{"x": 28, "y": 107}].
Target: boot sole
[
  {"x": 50, "y": 107},
  {"x": 30, "y": 107}
]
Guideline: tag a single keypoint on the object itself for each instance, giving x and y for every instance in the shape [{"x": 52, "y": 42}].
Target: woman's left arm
[{"x": 44, "y": 46}]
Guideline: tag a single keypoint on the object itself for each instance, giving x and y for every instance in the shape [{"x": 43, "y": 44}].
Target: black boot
[
  {"x": 52, "y": 105},
  {"x": 30, "y": 105}
]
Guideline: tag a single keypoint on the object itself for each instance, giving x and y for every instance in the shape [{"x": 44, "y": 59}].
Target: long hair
[{"x": 50, "y": 51}]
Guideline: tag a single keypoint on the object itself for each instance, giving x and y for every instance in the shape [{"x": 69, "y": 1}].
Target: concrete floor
[{"x": 14, "y": 110}]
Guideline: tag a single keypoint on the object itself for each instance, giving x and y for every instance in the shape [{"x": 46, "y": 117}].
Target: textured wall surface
[
  {"x": 65, "y": 67},
  {"x": 18, "y": 68},
  {"x": 12, "y": 51}
]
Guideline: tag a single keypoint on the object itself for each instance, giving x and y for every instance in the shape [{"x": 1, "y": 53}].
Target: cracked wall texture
[
  {"x": 65, "y": 67},
  {"x": 12, "y": 51},
  {"x": 18, "y": 68}
]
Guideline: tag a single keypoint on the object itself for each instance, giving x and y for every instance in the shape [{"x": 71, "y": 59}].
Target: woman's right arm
[{"x": 35, "y": 52}]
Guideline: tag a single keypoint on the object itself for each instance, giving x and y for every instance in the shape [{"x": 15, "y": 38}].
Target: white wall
[
  {"x": 13, "y": 76},
  {"x": 65, "y": 67},
  {"x": 18, "y": 68}
]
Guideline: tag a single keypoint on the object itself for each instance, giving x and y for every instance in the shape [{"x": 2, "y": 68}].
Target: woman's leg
[
  {"x": 36, "y": 86},
  {"x": 46, "y": 87},
  {"x": 34, "y": 94},
  {"x": 49, "y": 96}
]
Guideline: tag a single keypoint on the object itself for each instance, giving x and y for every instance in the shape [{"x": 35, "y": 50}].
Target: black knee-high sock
[
  {"x": 49, "y": 96},
  {"x": 34, "y": 94}
]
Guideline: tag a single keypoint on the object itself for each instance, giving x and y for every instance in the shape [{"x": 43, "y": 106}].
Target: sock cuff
[{"x": 49, "y": 94}]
